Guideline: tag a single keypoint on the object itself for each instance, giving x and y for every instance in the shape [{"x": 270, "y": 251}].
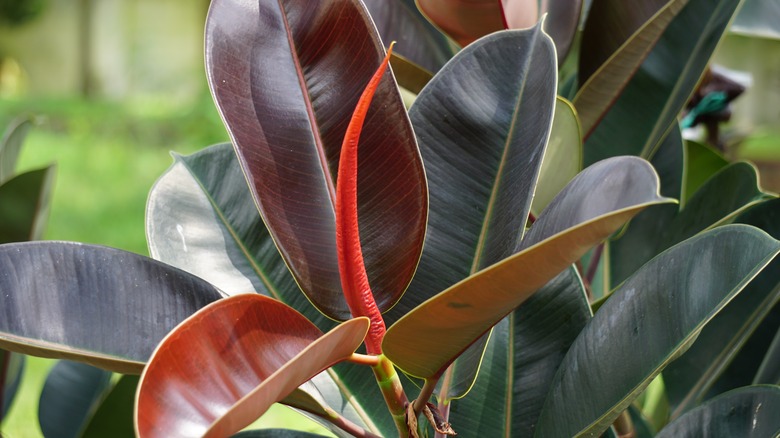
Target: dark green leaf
[
  {"x": 286, "y": 77},
  {"x": 690, "y": 378},
  {"x": 746, "y": 412},
  {"x": 201, "y": 218},
  {"x": 662, "y": 308},
  {"x": 508, "y": 395},
  {"x": 93, "y": 304},
  {"x": 483, "y": 124},
  {"x": 650, "y": 103},
  {"x": 617, "y": 37},
  {"x": 69, "y": 397},
  {"x": 114, "y": 416},
  {"x": 24, "y": 205}
]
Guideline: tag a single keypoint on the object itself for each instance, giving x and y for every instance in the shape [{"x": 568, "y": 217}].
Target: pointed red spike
[{"x": 354, "y": 280}]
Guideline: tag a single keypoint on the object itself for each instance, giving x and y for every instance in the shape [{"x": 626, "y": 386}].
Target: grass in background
[{"x": 108, "y": 156}]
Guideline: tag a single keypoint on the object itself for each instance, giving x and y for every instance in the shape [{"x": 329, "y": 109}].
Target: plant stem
[
  {"x": 393, "y": 392},
  {"x": 364, "y": 359},
  {"x": 346, "y": 425},
  {"x": 425, "y": 394},
  {"x": 444, "y": 411}
]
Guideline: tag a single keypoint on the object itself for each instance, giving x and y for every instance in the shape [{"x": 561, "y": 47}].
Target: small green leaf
[{"x": 562, "y": 158}]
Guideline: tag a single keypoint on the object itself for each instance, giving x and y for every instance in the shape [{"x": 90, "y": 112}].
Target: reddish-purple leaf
[
  {"x": 286, "y": 76},
  {"x": 223, "y": 367}
]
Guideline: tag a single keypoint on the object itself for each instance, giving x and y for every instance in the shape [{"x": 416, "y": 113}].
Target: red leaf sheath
[{"x": 354, "y": 280}]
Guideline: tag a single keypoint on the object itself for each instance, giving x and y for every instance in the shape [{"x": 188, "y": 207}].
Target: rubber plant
[{"x": 392, "y": 272}]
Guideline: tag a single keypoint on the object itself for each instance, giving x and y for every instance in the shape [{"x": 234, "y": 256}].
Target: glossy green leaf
[
  {"x": 417, "y": 40},
  {"x": 24, "y": 205},
  {"x": 662, "y": 307},
  {"x": 69, "y": 397},
  {"x": 562, "y": 158},
  {"x": 13, "y": 365},
  {"x": 520, "y": 361},
  {"x": 114, "y": 416},
  {"x": 725, "y": 195},
  {"x": 286, "y": 77},
  {"x": 464, "y": 20},
  {"x": 201, "y": 218},
  {"x": 641, "y": 425},
  {"x": 224, "y": 366},
  {"x": 690, "y": 378},
  {"x": 563, "y": 17},
  {"x": 92, "y": 304},
  {"x": 702, "y": 162},
  {"x": 617, "y": 38},
  {"x": 483, "y": 125},
  {"x": 746, "y": 412},
  {"x": 650, "y": 103},
  {"x": 595, "y": 204},
  {"x": 11, "y": 145}
]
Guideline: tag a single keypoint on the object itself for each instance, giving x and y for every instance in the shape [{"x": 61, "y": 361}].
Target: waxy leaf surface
[
  {"x": 521, "y": 358},
  {"x": 594, "y": 205},
  {"x": 70, "y": 396},
  {"x": 662, "y": 308},
  {"x": 286, "y": 77},
  {"x": 201, "y": 218},
  {"x": 727, "y": 193},
  {"x": 746, "y": 412},
  {"x": 617, "y": 38},
  {"x": 92, "y": 304},
  {"x": 648, "y": 107},
  {"x": 114, "y": 416},
  {"x": 690, "y": 378},
  {"x": 483, "y": 124},
  {"x": 224, "y": 366}
]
